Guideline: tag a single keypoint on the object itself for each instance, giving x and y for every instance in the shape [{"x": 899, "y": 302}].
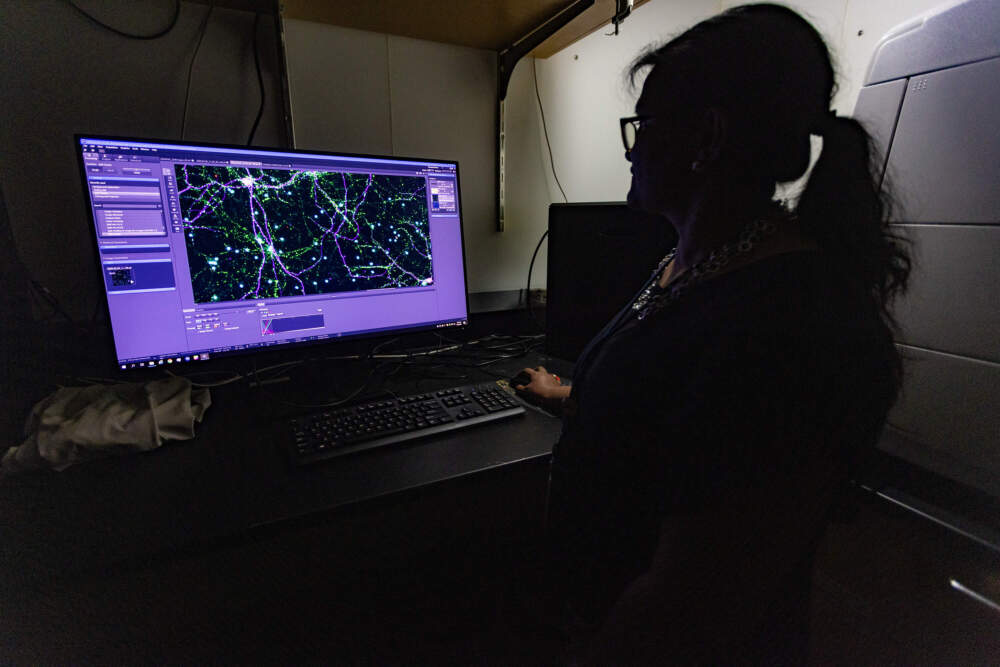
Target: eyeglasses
[{"x": 631, "y": 127}]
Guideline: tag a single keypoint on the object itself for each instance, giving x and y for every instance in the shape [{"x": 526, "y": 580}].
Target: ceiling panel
[{"x": 481, "y": 24}]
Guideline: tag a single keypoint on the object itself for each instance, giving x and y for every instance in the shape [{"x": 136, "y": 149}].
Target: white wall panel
[
  {"x": 950, "y": 410},
  {"x": 945, "y": 157},
  {"x": 877, "y": 109},
  {"x": 865, "y": 23},
  {"x": 339, "y": 88},
  {"x": 952, "y": 304}
]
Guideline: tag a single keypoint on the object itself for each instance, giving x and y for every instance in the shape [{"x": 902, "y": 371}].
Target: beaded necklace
[{"x": 654, "y": 298}]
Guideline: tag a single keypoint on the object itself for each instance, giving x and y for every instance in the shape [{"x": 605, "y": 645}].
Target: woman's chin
[{"x": 636, "y": 202}]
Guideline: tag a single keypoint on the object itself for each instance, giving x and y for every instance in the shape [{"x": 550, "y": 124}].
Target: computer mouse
[{"x": 521, "y": 378}]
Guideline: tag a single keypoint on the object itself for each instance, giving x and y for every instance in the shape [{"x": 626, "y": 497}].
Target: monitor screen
[{"x": 208, "y": 250}]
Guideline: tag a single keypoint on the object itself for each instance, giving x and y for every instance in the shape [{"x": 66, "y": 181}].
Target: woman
[{"x": 715, "y": 420}]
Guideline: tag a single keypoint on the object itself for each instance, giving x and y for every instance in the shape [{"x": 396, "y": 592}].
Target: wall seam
[
  {"x": 952, "y": 355},
  {"x": 842, "y": 46},
  {"x": 948, "y": 225},
  {"x": 892, "y": 135},
  {"x": 388, "y": 88}
]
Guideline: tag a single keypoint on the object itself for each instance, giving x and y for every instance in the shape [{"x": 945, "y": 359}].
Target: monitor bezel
[{"x": 263, "y": 349}]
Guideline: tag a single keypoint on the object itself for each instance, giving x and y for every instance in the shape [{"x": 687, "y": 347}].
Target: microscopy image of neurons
[
  {"x": 121, "y": 277},
  {"x": 269, "y": 233}
]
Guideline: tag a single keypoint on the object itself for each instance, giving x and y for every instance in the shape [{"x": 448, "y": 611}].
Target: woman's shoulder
[
  {"x": 783, "y": 285},
  {"x": 788, "y": 300}
]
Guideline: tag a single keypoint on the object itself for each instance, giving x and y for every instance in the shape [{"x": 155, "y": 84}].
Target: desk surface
[{"x": 231, "y": 479}]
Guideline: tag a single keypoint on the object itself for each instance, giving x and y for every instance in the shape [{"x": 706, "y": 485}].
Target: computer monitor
[{"x": 210, "y": 250}]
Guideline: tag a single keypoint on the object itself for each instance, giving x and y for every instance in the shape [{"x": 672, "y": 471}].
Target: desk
[
  {"x": 229, "y": 482},
  {"x": 217, "y": 549}
]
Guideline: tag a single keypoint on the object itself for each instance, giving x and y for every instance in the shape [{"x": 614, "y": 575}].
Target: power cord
[
  {"x": 154, "y": 35},
  {"x": 447, "y": 355},
  {"x": 527, "y": 292},
  {"x": 43, "y": 294},
  {"x": 552, "y": 166},
  {"x": 545, "y": 130},
  {"x": 328, "y": 404}
]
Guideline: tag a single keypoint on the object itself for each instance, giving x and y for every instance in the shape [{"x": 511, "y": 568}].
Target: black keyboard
[{"x": 323, "y": 435}]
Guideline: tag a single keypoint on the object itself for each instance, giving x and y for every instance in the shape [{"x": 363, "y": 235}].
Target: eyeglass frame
[{"x": 637, "y": 123}]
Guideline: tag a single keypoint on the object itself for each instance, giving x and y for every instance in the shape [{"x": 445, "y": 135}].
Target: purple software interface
[{"x": 209, "y": 250}]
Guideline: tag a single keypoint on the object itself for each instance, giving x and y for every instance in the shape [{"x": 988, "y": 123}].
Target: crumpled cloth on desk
[{"x": 76, "y": 424}]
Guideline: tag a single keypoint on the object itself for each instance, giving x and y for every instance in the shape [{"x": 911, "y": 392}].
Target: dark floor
[
  {"x": 882, "y": 594},
  {"x": 382, "y": 585}
]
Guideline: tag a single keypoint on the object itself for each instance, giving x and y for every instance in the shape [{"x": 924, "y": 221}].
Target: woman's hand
[{"x": 542, "y": 387}]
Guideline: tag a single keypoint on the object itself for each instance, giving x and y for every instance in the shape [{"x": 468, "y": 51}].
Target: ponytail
[{"x": 846, "y": 210}]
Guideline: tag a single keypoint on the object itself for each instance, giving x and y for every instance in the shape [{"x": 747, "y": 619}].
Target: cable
[
  {"x": 527, "y": 294},
  {"x": 478, "y": 354},
  {"x": 552, "y": 165},
  {"x": 413, "y": 355},
  {"x": 545, "y": 130},
  {"x": 155, "y": 35},
  {"x": 48, "y": 297},
  {"x": 378, "y": 347},
  {"x": 260, "y": 80},
  {"x": 194, "y": 56},
  {"x": 234, "y": 377},
  {"x": 88, "y": 379},
  {"x": 330, "y": 404}
]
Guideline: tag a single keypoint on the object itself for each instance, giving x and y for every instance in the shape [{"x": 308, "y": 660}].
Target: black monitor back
[{"x": 599, "y": 256}]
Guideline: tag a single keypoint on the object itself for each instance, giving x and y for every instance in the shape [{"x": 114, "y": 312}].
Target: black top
[{"x": 736, "y": 385}]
